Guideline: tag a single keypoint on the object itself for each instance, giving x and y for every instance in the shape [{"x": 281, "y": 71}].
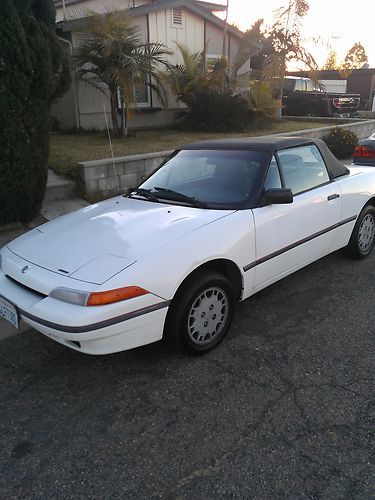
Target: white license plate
[{"x": 9, "y": 312}]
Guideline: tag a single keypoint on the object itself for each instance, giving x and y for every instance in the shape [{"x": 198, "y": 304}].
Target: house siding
[
  {"x": 190, "y": 34},
  {"x": 156, "y": 26}
]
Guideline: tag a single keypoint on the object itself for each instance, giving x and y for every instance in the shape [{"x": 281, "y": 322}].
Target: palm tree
[
  {"x": 112, "y": 52},
  {"x": 194, "y": 73},
  {"x": 251, "y": 45},
  {"x": 210, "y": 91}
]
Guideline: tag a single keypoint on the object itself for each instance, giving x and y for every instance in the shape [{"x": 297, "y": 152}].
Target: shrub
[
  {"x": 341, "y": 142},
  {"x": 30, "y": 67},
  {"x": 214, "y": 110},
  {"x": 260, "y": 97},
  {"x": 209, "y": 90}
]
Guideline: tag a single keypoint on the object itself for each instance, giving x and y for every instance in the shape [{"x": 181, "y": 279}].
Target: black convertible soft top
[{"x": 274, "y": 144}]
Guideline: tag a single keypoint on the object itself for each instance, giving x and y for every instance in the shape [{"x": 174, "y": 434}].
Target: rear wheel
[
  {"x": 201, "y": 313},
  {"x": 362, "y": 240}
]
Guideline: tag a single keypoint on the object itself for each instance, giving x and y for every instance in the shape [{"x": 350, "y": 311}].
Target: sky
[{"x": 338, "y": 23}]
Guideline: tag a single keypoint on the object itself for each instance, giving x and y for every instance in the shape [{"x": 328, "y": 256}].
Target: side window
[
  {"x": 289, "y": 85},
  {"x": 300, "y": 85},
  {"x": 309, "y": 85},
  {"x": 273, "y": 176},
  {"x": 303, "y": 168}
]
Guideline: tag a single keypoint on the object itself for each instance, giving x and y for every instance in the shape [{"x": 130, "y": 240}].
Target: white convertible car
[{"x": 216, "y": 223}]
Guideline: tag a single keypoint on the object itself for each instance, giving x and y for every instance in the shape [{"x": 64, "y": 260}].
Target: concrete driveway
[{"x": 283, "y": 408}]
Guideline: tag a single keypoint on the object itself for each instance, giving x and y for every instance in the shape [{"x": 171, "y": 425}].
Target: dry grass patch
[{"x": 68, "y": 149}]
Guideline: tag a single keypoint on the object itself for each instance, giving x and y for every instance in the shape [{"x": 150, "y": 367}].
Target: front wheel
[
  {"x": 362, "y": 240},
  {"x": 201, "y": 313}
]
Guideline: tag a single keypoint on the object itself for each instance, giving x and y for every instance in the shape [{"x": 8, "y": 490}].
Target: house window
[
  {"x": 212, "y": 59},
  {"x": 141, "y": 95},
  {"x": 177, "y": 18}
]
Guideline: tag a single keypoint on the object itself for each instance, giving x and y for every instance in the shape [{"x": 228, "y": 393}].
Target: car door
[{"x": 291, "y": 235}]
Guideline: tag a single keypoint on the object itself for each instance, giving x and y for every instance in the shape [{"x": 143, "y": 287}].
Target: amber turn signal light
[{"x": 110, "y": 296}]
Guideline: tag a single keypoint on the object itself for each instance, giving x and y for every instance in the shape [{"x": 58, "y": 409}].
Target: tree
[
  {"x": 283, "y": 44},
  {"x": 331, "y": 62},
  {"x": 31, "y": 66},
  {"x": 355, "y": 58},
  {"x": 208, "y": 89},
  {"x": 285, "y": 37},
  {"x": 251, "y": 47},
  {"x": 112, "y": 52},
  {"x": 194, "y": 73}
]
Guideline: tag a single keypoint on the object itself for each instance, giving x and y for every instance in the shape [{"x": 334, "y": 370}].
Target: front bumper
[{"x": 92, "y": 330}]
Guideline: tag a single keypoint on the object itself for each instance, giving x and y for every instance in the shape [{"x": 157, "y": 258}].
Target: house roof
[
  {"x": 192, "y": 5},
  {"x": 218, "y": 7},
  {"x": 206, "y": 5}
]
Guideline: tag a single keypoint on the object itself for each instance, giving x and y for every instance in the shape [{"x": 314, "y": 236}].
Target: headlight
[
  {"x": 71, "y": 296},
  {"x": 97, "y": 298}
]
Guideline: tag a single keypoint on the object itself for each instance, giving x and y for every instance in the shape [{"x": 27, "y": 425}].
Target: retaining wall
[{"x": 106, "y": 178}]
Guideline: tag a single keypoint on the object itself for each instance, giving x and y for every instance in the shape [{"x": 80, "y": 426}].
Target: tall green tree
[
  {"x": 31, "y": 66},
  {"x": 112, "y": 52}
]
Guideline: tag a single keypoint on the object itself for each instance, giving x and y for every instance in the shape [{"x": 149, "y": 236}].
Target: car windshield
[{"x": 209, "y": 178}]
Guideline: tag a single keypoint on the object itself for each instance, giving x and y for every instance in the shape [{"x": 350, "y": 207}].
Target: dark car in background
[
  {"x": 304, "y": 97},
  {"x": 364, "y": 153}
]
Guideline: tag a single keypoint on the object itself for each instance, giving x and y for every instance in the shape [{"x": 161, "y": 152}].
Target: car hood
[{"x": 97, "y": 242}]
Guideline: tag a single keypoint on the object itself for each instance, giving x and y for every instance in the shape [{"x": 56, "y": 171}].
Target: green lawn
[{"x": 68, "y": 149}]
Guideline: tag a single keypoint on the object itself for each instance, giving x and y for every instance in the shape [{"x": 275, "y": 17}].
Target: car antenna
[{"x": 110, "y": 147}]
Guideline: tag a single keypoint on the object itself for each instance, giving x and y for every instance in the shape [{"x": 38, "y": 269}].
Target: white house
[{"x": 189, "y": 22}]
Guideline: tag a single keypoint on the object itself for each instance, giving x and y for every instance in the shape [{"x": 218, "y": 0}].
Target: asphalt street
[{"x": 283, "y": 408}]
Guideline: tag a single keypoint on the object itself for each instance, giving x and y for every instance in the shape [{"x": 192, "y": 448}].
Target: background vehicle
[
  {"x": 303, "y": 97},
  {"x": 364, "y": 153}
]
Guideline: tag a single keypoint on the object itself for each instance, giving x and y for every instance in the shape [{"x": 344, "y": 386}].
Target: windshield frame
[{"x": 249, "y": 202}]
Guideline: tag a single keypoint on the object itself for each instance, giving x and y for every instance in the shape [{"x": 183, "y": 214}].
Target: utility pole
[
  {"x": 225, "y": 29},
  {"x": 64, "y": 10}
]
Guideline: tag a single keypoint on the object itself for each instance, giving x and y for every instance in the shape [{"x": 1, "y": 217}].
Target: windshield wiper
[
  {"x": 146, "y": 193},
  {"x": 169, "y": 194}
]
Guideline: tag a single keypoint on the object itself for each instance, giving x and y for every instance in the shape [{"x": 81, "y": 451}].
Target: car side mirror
[{"x": 278, "y": 196}]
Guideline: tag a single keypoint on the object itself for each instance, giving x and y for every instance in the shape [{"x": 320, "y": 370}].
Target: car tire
[
  {"x": 362, "y": 240},
  {"x": 201, "y": 313}
]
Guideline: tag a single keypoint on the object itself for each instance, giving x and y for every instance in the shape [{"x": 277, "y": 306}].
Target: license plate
[{"x": 9, "y": 312}]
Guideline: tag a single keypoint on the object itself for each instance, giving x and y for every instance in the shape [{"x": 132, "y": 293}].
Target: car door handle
[{"x": 333, "y": 196}]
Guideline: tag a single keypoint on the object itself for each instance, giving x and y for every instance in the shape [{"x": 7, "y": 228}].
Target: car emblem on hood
[{"x": 24, "y": 269}]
